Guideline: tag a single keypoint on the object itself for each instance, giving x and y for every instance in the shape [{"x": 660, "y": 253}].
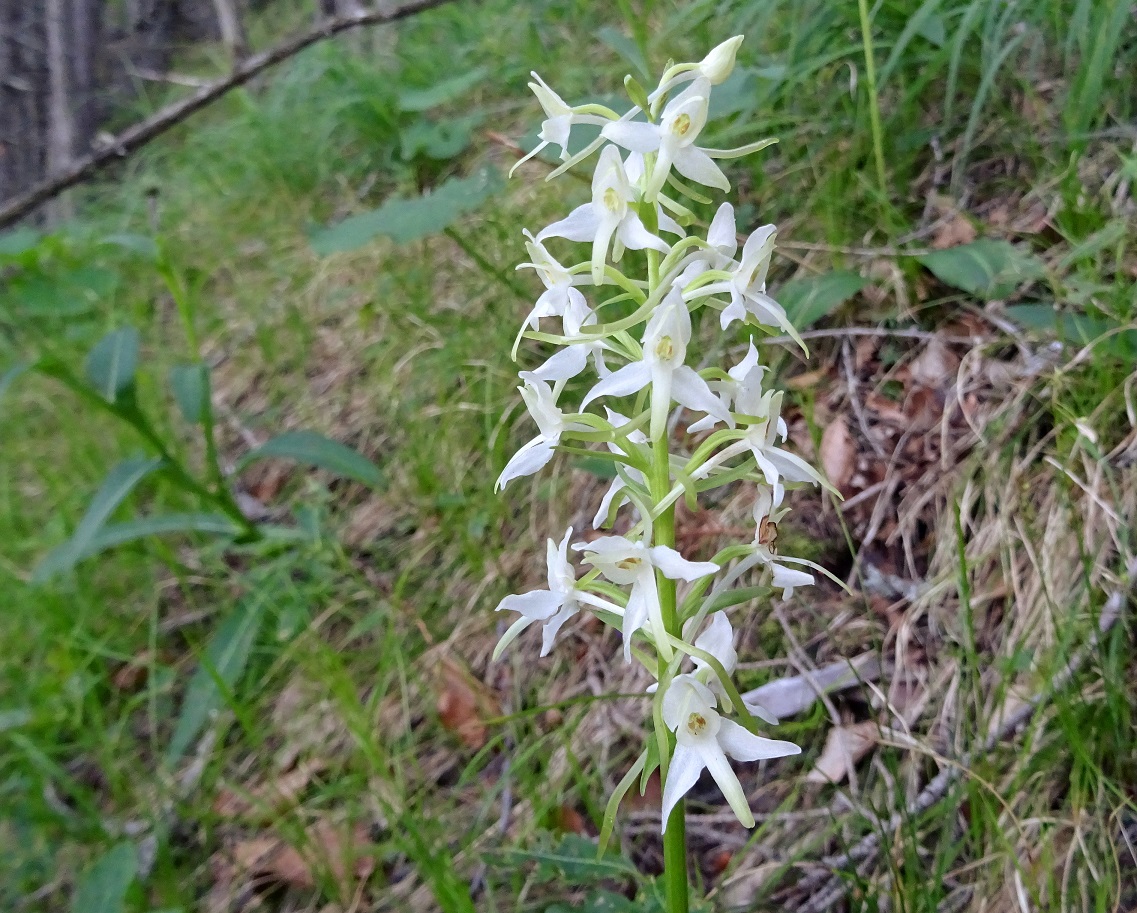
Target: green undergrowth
[{"x": 401, "y": 351}]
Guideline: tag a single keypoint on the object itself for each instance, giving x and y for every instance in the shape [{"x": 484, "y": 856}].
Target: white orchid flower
[
  {"x": 559, "y": 295},
  {"x": 625, "y": 562},
  {"x": 766, "y": 517},
  {"x": 618, "y": 485},
  {"x": 727, "y": 388},
  {"x": 672, "y": 140},
  {"x": 560, "y": 117},
  {"x": 746, "y": 287},
  {"x": 608, "y": 214},
  {"x": 715, "y": 68},
  {"x": 551, "y": 607},
  {"x": 703, "y": 741},
  {"x": 717, "y": 639},
  {"x": 534, "y": 455},
  {"x": 573, "y": 358},
  {"x": 665, "y": 340}
]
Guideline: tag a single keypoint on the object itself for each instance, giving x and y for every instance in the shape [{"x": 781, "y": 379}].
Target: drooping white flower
[
  {"x": 665, "y": 340},
  {"x": 625, "y": 562},
  {"x": 715, "y": 68},
  {"x": 559, "y": 120},
  {"x": 551, "y": 607},
  {"x": 542, "y": 405},
  {"x": 573, "y": 358},
  {"x": 608, "y": 214},
  {"x": 727, "y": 388},
  {"x": 559, "y": 295},
  {"x": 703, "y": 741},
  {"x": 717, "y": 639},
  {"x": 766, "y": 517},
  {"x": 672, "y": 140}
]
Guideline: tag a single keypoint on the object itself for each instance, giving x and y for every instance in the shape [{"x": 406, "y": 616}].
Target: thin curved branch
[{"x": 133, "y": 138}]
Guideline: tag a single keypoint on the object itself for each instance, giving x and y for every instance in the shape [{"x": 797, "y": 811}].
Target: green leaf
[
  {"x": 624, "y": 47},
  {"x": 808, "y": 300},
  {"x": 314, "y": 449},
  {"x": 143, "y": 245},
  {"x": 113, "y": 361},
  {"x": 120, "y": 533},
  {"x": 104, "y": 886},
  {"x": 18, "y": 241},
  {"x": 987, "y": 268},
  {"x": 439, "y": 140},
  {"x": 1074, "y": 328},
  {"x": 119, "y": 483},
  {"x": 221, "y": 666},
  {"x": 416, "y": 100},
  {"x": 9, "y": 376},
  {"x": 574, "y": 859},
  {"x": 404, "y": 220},
  {"x": 190, "y": 384}
]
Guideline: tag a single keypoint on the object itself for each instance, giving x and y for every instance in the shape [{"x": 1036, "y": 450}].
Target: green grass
[{"x": 402, "y": 352}]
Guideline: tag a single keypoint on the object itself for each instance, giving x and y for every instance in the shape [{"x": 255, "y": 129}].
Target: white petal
[
  {"x": 675, "y": 567},
  {"x": 759, "y": 711},
  {"x": 786, "y": 579},
  {"x": 690, "y": 390},
  {"x": 553, "y": 626},
  {"x": 606, "y": 502},
  {"x": 723, "y": 233},
  {"x": 632, "y": 233},
  {"x": 727, "y": 780},
  {"x": 686, "y": 694},
  {"x": 566, "y": 363},
  {"x": 682, "y": 773},
  {"x": 607, "y": 546},
  {"x": 791, "y": 467},
  {"x": 742, "y": 745},
  {"x": 635, "y": 617},
  {"x": 668, "y": 224},
  {"x": 628, "y": 380},
  {"x": 718, "y": 640},
  {"x": 732, "y": 312},
  {"x": 578, "y": 225},
  {"x": 537, "y": 605},
  {"x": 529, "y": 459},
  {"x": 635, "y": 137},
  {"x": 694, "y": 164}
]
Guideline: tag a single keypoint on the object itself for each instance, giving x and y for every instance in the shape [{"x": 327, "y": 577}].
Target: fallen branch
[
  {"x": 827, "y": 888},
  {"x": 133, "y": 138}
]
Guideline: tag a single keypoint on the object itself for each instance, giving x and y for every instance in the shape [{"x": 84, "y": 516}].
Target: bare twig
[
  {"x": 826, "y": 889},
  {"x": 133, "y": 138}
]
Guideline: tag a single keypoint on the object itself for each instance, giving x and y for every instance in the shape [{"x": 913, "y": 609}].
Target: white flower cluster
[{"x": 644, "y": 155}]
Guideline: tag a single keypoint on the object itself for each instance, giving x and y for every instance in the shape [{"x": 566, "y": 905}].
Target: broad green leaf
[
  {"x": 63, "y": 293},
  {"x": 624, "y": 47},
  {"x": 601, "y": 468},
  {"x": 314, "y": 449},
  {"x": 119, "y": 483},
  {"x": 404, "y": 220},
  {"x": 574, "y": 858},
  {"x": 221, "y": 666},
  {"x": 742, "y": 90},
  {"x": 988, "y": 268},
  {"x": 113, "y": 361},
  {"x": 190, "y": 384},
  {"x": 117, "y": 534},
  {"x": 808, "y": 300},
  {"x": 18, "y": 241},
  {"x": 1075, "y": 328},
  {"x": 416, "y": 100},
  {"x": 439, "y": 140},
  {"x": 143, "y": 245},
  {"x": 14, "y": 719},
  {"x": 104, "y": 886}
]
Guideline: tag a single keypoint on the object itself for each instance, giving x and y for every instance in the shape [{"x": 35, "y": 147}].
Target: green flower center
[
  {"x": 665, "y": 348},
  {"x": 612, "y": 201},
  {"x": 681, "y": 125}
]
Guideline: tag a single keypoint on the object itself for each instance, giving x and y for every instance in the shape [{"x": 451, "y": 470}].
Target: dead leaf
[
  {"x": 838, "y": 453},
  {"x": 264, "y": 802},
  {"x": 935, "y": 367},
  {"x": 955, "y": 230},
  {"x": 369, "y": 522},
  {"x": 795, "y": 694},
  {"x": 464, "y": 703},
  {"x": 328, "y": 848},
  {"x": 844, "y": 747}
]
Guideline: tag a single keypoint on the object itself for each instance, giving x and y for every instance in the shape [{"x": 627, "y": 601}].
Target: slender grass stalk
[{"x": 874, "y": 103}]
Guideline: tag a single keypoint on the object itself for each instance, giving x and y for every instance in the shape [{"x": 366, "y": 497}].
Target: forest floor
[{"x": 314, "y": 723}]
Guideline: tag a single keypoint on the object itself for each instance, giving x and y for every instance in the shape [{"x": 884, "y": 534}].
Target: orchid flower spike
[
  {"x": 559, "y": 120},
  {"x": 728, "y": 389},
  {"x": 672, "y": 140},
  {"x": 608, "y": 214},
  {"x": 534, "y": 455},
  {"x": 665, "y": 342},
  {"x": 625, "y": 562},
  {"x": 703, "y": 741}
]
